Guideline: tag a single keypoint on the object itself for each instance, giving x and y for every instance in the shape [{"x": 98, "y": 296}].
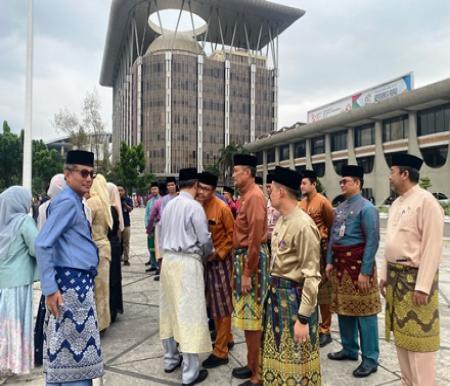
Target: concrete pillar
[
  {"x": 381, "y": 188},
  {"x": 351, "y": 146},
  {"x": 277, "y": 155},
  {"x": 413, "y": 145},
  {"x": 291, "y": 156},
  {"x": 308, "y": 154},
  {"x": 331, "y": 178}
]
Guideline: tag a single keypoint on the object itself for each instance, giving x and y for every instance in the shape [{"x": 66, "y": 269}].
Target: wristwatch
[{"x": 302, "y": 319}]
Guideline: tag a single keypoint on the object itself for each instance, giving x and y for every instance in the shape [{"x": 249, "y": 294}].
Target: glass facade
[
  {"x": 270, "y": 155},
  {"x": 434, "y": 120},
  {"x": 339, "y": 164},
  {"x": 339, "y": 140},
  {"x": 318, "y": 145},
  {"x": 435, "y": 156},
  {"x": 259, "y": 157},
  {"x": 395, "y": 128},
  {"x": 366, "y": 163},
  {"x": 284, "y": 152},
  {"x": 364, "y": 135},
  {"x": 300, "y": 149},
  {"x": 319, "y": 168}
]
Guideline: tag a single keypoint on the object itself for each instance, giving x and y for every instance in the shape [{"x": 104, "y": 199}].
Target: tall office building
[{"x": 187, "y": 94}]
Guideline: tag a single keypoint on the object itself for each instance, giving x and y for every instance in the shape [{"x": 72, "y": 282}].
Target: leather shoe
[
  {"x": 151, "y": 269},
  {"x": 242, "y": 372},
  {"x": 213, "y": 361},
  {"x": 126, "y": 263},
  {"x": 249, "y": 383},
  {"x": 230, "y": 346},
  {"x": 340, "y": 356},
  {"x": 202, "y": 375},
  {"x": 364, "y": 370},
  {"x": 324, "y": 339},
  {"x": 147, "y": 263},
  {"x": 168, "y": 371},
  {"x": 156, "y": 278}
]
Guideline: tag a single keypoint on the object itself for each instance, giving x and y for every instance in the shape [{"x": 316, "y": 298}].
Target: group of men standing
[{"x": 318, "y": 257}]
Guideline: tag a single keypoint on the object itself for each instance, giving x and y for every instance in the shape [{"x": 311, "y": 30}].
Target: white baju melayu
[{"x": 186, "y": 243}]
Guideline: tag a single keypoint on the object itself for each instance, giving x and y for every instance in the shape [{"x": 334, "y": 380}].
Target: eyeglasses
[
  {"x": 86, "y": 173},
  {"x": 344, "y": 181}
]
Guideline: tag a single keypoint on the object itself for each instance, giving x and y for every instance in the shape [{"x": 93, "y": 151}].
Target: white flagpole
[{"x": 27, "y": 147}]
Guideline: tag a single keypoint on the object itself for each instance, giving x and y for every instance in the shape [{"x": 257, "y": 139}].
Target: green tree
[
  {"x": 46, "y": 163},
  {"x": 225, "y": 162},
  {"x": 425, "y": 183},
  {"x": 10, "y": 158},
  {"x": 129, "y": 171}
]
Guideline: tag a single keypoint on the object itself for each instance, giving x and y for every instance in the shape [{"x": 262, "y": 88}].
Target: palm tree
[{"x": 225, "y": 161}]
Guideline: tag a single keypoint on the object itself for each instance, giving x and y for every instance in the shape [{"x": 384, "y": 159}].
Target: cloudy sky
[{"x": 337, "y": 48}]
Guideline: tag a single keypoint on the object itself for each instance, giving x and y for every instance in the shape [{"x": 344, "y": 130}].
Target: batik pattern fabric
[
  {"x": 347, "y": 298},
  {"x": 248, "y": 308},
  {"x": 415, "y": 328},
  {"x": 16, "y": 330},
  {"x": 72, "y": 350},
  {"x": 219, "y": 294},
  {"x": 284, "y": 361},
  {"x": 325, "y": 287}
]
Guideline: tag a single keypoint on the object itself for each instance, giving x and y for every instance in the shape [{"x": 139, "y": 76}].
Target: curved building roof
[
  {"x": 178, "y": 42},
  {"x": 274, "y": 19}
]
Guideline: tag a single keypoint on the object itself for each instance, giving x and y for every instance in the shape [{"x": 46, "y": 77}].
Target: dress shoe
[
  {"x": 202, "y": 375},
  {"x": 341, "y": 356},
  {"x": 156, "y": 278},
  {"x": 168, "y": 371},
  {"x": 147, "y": 263},
  {"x": 242, "y": 372},
  {"x": 151, "y": 269},
  {"x": 250, "y": 383},
  {"x": 213, "y": 361},
  {"x": 364, "y": 370},
  {"x": 324, "y": 339},
  {"x": 127, "y": 263},
  {"x": 230, "y": 346}
]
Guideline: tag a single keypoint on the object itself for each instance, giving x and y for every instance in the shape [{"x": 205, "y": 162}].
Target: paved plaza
[{"x": 133, "y": 353}]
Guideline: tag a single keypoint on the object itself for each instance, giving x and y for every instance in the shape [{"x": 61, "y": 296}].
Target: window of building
[
  {"x": 435, "y": 156},
  {"x": 434, "y": 120},
  {"x": 339, "y": 164},
  {"x": 318, "y": 145},
  {"x": 388, "y": 156},
  {"x": 319, "y": 168},
  {"x": 300, "y": 149},
  {"x": 366, "y": 163},
  {"x": 284, "y": 152},
  {"x": 339, "y": 140},
  {"x": 300, "y": 168},
  {"x": 364, "y": 135},
  {"x": 395, "y": 128},
  {"x": 270, "y": 155},
  {"x": 259, "y": 157}
]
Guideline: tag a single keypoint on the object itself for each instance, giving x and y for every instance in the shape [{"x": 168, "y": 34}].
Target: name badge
[{"x": 342, "y": 231}]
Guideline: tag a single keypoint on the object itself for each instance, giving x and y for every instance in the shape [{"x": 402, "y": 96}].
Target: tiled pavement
[{"x": 133, "y": 353}]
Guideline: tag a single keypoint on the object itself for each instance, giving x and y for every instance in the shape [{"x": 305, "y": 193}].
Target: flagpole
[{"x": 27, "y": 138}]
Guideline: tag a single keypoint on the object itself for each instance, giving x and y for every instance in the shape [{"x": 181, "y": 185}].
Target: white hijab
[
  {"x": 57, "y": 184},
  {"x": 114, "y": 197}
]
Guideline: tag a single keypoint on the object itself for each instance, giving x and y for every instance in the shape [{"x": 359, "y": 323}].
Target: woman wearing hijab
[
  {"x": 17, "y": 274},
  {"x": 115, "y": 277},
  {"x": 57, "y": 184},
  {"x": 102, "y": 222}
]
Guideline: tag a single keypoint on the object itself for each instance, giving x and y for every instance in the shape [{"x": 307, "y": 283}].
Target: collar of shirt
[
  {"x": 186, "y": 195},
  {"x": 410, "y": 192},
  {"x": 354, "y": 198},
  {"x": 73, "y": 193},
  {"x": 292, "y": 214}
]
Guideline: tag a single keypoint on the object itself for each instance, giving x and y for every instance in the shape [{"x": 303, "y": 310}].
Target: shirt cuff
[
  {"x": 366, "y": 269},
  {"x": 49, "y": 288},
  {"x": 306, "y": 310}
]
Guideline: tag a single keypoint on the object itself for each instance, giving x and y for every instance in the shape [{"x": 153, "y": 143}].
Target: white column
[
  {"x": 27, "y": 138},
  {"x": 168, "y": 168},
  {"x": 129, "y": 108},
  {"x": 252, "y": 101},
  {"x": 200, "y": 113},
  {"x": 139, "y": 101},
  {"x": 275, "y": 98},
  {"x": 227, "y": 102}
]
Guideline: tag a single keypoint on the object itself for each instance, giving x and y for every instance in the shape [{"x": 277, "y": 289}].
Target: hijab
[
  {"x": 15, "y": 204},
  {"x": 99, "y": 189},
  {"x": 57, "y": 184},
  {"x": 116, "y": 202}
]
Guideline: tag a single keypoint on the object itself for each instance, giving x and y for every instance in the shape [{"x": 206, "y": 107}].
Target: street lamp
[{"x": 27, "y": 145}]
